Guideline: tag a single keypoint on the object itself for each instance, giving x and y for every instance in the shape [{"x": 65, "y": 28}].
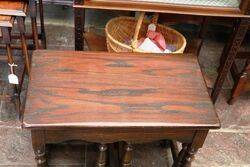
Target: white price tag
[
  {"x": 13, "y": 79},
  {"x": 152, "y": 27}
]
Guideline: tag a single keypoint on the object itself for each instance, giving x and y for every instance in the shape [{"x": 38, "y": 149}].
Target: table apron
[{"x": 110, "y": 136}]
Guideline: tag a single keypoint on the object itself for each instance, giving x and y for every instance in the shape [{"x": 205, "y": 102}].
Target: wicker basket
[{"x": 119, "y": 32}]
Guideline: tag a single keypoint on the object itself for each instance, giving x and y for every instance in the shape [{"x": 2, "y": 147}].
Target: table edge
[{"x": 121, "y": 125}]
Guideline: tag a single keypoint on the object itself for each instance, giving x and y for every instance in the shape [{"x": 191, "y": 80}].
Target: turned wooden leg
[
  {"x": 21, "y": 27},
  {"x": 186, "y": 155},
  {"x": 127, "y": 157},
  {"x": 79, "y": 28},
  {"x": 174, "y": 149},
  {"x": 181, "y": 155},
  {"x": 240, "y": 83},
  {"x": 189, "y": 157},
  {"x": 38, "y": 142},
  {"x": 229, "y": 54},
  {"x": 102, "y": 158},
  {"x": 33, "y": 16},
  {"x": 43, "y": 35}
]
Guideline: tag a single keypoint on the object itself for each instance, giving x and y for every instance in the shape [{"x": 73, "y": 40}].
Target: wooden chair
[
  {"x": 240, "y": 78},
  {"x": 15, "y": 10},
  {"x": 33, "y": 16}
]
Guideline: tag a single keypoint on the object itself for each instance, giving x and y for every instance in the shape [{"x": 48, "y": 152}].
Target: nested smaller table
[{"x": 109, "y": 97}]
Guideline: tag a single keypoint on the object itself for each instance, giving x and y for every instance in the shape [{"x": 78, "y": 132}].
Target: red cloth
[{"x": 158, "y": 39}]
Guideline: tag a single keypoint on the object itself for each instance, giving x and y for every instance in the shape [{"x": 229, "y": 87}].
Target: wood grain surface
[{"x": 97, "y": 89}]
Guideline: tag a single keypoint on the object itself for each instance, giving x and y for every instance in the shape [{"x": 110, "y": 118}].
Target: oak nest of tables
[{"x": 108, "y": 97}]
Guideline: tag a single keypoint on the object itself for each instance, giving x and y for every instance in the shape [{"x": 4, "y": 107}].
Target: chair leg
[
  {"x": 42, "y": 24},
  {"x": 7, "y": 40},
  {"x": 21, "y": 26},
  {"x": 240, "y": 84},
  {"x": 33, "y": 15},
  {"x": 35, "y": 33}
]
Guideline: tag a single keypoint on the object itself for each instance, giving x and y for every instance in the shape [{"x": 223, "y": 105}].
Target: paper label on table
[{"x": 13, "y": 79}]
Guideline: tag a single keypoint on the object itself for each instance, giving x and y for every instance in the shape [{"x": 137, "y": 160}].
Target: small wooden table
[{"x": 108, "y": 97}]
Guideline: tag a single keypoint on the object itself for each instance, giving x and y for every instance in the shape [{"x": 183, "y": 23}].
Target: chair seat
[
  {"x": 13, "y": 7},
  {"x": 209, "y": 3}
]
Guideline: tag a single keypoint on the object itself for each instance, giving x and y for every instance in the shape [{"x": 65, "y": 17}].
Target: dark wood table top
[{"x": 91, "y": 89}]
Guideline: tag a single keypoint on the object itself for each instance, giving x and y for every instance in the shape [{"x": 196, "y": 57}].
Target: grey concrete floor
[{"x": 226, "y": 147}]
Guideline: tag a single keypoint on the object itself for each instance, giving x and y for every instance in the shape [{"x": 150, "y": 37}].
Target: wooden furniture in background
[
  {"x": 15, "y": 10},
  {"x": 108, "y": 97},
  {"x": 33, "y": 15},
  {"x": 59, "y": 2},
  {"x": 241, "y": 78},
  {"x": 239, "y": 12}
]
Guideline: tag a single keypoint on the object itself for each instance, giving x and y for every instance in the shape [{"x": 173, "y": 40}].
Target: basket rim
[
  {"x": 110, "y": 36},
  {"x": 134, "y": 19}
]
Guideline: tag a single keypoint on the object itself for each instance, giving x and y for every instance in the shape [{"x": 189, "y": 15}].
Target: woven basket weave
[{"x": 119, "y": 32}]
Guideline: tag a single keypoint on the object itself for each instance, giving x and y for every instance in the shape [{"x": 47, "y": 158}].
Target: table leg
[
  {"x": 38, "y": 142},
  {"x": 127, "y": 157},
  {"x": 230, "y": 52},
  {"x": 182, "y": 153},
  {"x": 174, "y": 149},
  {"x": 102, "y": 158},
  {"x": 186, "y": 155},
  {"x": 79, "y": 28}
]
